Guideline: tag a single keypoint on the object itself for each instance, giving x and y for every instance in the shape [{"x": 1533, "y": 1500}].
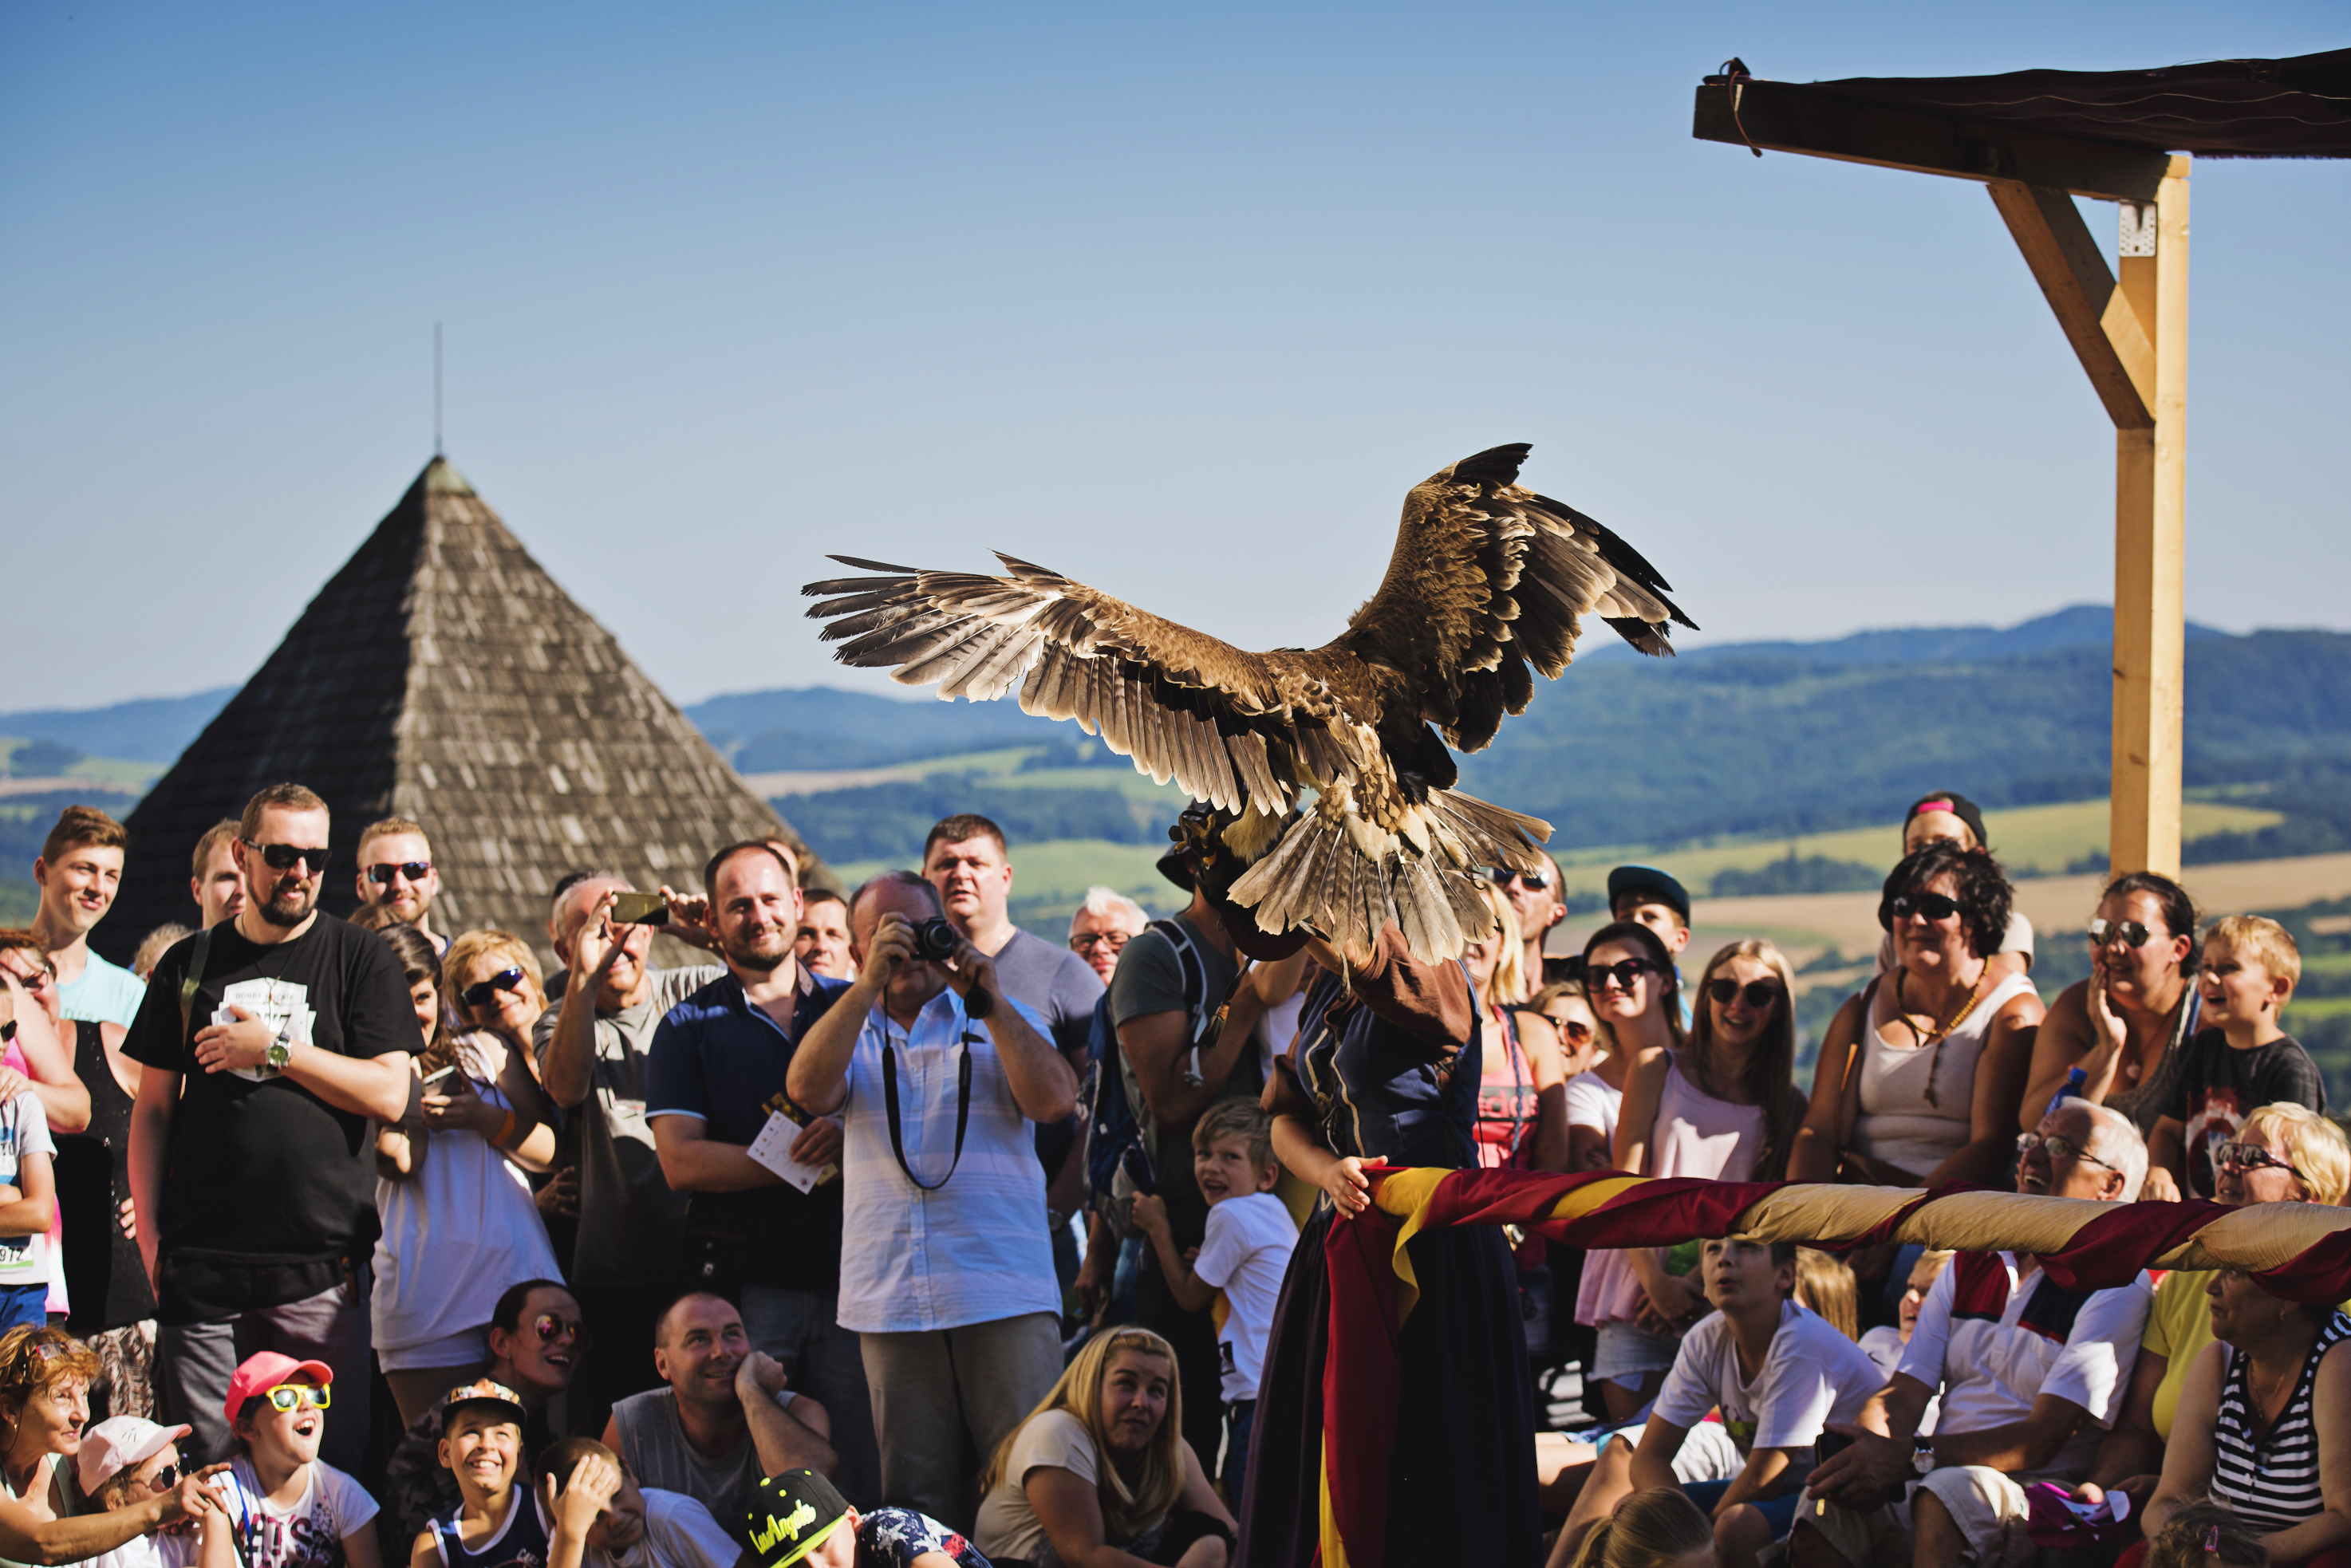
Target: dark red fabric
[
  {"x": 2112, "y": 1248},
  {"x": 1359, "y": 1388}
]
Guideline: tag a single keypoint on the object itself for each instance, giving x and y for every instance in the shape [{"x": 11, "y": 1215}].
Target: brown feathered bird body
[{"x": 1335, "y": 760}]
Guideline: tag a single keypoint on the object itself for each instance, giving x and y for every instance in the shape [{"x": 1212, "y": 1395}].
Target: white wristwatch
[{"x": 1922, "y": 1455}]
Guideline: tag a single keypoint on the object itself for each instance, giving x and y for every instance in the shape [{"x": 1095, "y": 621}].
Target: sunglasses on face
[
  {"x": 2243, "y": 1157},
  {"x": 2131, "y": 933},
  {"x": 413, "y": 871},
  {"x": 286, "y": 857},
  {"x": 294, "y": 1396},
  {"x": 1114, "y": 940},
  {"x": 549, "y": 1327},
  {"x": 479, "y": 993},
  {"x": 165, "y": 1478},
  {"x": 1927, "y": 906},
  {"x": 1502, "y": 876},
  {"x": 1759, "y": 993},
  {"x": 1621, "y": 974},
  {"x": 2058, "y": 1146},
  {"x": 1574, "y": 1030}
]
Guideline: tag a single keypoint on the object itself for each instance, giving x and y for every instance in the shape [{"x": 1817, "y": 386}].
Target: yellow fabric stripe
[{"x": 1334, "y": 1546}]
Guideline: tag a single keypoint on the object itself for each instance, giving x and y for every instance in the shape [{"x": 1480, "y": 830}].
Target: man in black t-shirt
[{"x": 250, "y": 1162}]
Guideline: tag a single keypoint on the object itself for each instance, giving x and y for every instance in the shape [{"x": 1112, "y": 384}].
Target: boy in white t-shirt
[
  {"x": 604, "y": 1520},
  {"x": 29, "y": 1203},
  {"x": 1777, "y": 1374},
  {"x": 1239, "y": 1264}
]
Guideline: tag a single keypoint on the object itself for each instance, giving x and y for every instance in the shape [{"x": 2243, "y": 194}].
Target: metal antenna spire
[{"x": 437, "y": 388}]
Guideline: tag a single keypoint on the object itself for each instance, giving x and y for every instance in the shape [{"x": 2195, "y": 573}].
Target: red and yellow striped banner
[{"x": 2298, "y": 1250}]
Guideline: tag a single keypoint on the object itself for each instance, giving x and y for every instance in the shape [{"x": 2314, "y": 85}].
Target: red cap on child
[{"x": 264, "y": 1371}]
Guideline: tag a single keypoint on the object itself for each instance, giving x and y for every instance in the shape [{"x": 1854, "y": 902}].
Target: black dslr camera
[{"x": 934, "y": 940}]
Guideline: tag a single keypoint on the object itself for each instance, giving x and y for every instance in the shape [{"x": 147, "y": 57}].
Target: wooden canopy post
[{"x": 2131, "y": 335}]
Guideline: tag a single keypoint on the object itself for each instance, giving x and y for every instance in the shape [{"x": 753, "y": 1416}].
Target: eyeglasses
[
  {"x": 2242, "y": 1157},
  {"x": 1759, "y": 993},
  {"x": 1622, "y": 973},
  {"x": 286, "y": 857},
  {"x": 1114, "y": 940},
  {"x": 1926, "y": 906},
  {"x": 2059, "y": 1147},
  {"x": 479, "y": 993},
  {"x": 413, "y": 871},
  {"x": 1502, "y": 876},
  {"x": 1574, "y": 1030},
  {"x": 549, "y": 1327},
  {"x": 294, "y": 1396},
  {"x": 2131, "y": 933}
]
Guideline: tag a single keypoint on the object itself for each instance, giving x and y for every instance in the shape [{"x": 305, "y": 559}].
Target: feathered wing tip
[{"x": 1333, "y": 877}]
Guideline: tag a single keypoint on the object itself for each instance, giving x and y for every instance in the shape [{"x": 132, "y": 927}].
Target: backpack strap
[{"x": 195, "y": 978}]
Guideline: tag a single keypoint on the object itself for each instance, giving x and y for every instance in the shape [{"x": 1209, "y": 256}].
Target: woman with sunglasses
[
  {"x": 44, "y": 1404},
  {"x": 1723, "y": 1106},
  {"x": 459, "y": 1223},
  {"x": 2127, "y": 1025},
  {"x": 1522, "y": 1084},
  {"x": 2282, "y": 1154}
]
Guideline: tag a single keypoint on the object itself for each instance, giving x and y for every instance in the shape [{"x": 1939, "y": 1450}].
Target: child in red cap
[{"x": 289, "y": 1508}]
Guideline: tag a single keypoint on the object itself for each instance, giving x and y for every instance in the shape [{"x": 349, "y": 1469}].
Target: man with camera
[
  {"x": 763, "y": 1226},
  {"x": 941, "y": 1077}
]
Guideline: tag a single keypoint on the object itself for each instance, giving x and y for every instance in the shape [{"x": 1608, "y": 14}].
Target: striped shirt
[
  {"x": 2272, "y": 1480},
  {"x": 974, "y": 1249}
]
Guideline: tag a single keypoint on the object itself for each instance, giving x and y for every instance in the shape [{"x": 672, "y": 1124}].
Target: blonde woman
[
  {"x": 459, "y": 1225},
  {"x": 1522, "y": 1080},
  {"x": 1723, "y": 1105},
  {"x": 1658, "y": 1529},
  {"x": 1099, "y": 1476}
]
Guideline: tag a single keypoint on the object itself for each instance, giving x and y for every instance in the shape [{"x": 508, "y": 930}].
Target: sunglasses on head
[
  {"x": 1930, "y": 906},
  {"x": 286, "y": 857},
  {"x": 1622, "y": 973},
  {"x": 1759, "y": 993},
  {"x": 1502, "y": 876},
  {"x": 415, "y": 871},
  {"x": 294, "y": 1396},
  {"x": 550, "y": 1327},
  {"x": 2131, "y": 933},
  {"x": 479, "y": 993}
]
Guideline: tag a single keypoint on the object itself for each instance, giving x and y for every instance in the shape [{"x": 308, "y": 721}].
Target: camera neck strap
[{"x": 963, "y": 1108}]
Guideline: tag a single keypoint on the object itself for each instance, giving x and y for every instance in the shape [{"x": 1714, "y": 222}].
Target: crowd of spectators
[{"x": 888, "y": 1231}]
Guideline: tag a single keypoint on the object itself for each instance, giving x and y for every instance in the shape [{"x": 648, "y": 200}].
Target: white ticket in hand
[{"x": 772, "y": 1148}]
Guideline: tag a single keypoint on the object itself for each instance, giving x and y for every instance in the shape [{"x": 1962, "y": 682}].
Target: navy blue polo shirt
[{"x": 717, "y": 1057}]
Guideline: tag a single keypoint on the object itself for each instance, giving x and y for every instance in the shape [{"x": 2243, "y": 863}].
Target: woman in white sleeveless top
[
  {"x": 1723, "y": 1107},
  {"x": 1921, "y": 1074}
]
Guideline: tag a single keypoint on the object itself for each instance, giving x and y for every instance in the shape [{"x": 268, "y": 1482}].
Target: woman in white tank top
[{"x": 1921, "y": 1074}]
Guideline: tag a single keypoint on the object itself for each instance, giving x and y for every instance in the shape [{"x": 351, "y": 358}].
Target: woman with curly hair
[
  {"x": 44, "y": 1402},
  {"x": 1099, "y": 1476},
  {"x": 459, "y": 1223}
]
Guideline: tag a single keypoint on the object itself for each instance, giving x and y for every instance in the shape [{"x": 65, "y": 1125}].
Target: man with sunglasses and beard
[
  {"x": 251, "y": 1169},
  {"x": 396, "y": 872}
]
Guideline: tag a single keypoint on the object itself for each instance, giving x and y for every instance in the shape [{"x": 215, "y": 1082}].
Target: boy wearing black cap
[{"x": 799, "y": 1517}]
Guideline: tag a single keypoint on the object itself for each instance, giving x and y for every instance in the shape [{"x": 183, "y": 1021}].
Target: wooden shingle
[{"x": 442, "y": 675}]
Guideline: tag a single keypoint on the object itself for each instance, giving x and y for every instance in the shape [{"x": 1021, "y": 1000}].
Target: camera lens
[{"x": 934, "y": 940}]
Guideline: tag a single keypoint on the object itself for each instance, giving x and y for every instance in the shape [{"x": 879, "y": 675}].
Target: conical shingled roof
[{"x": 443, "y": 675}]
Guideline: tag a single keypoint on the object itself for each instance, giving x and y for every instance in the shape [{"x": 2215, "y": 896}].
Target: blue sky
[{"x": 1178, "y": 299}]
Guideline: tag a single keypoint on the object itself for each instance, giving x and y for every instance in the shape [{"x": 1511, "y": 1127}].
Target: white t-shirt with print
[
  {"x": 309, "y": 1534},
  {"x": 1812, "y": 1376},
  {"x": 1990, "y": 1370},
  {"x": 24, "y": 1130},
  {"x": 1245, "y": 1254},
  {"x": 679, "y": 1533}
]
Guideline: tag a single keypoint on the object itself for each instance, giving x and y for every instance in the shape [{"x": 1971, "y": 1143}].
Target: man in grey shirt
[
  {"x": 966, "y": 859},
  {"x": 595, "y": 1044}
]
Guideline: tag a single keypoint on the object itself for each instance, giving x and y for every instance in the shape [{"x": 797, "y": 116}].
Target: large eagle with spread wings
[{"x": 1490, "y": 582}]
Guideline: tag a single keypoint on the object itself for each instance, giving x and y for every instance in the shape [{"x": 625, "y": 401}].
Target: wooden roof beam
[
  {"x": 1780, "y": 117},
  {"x": 2095, "y": 314}
]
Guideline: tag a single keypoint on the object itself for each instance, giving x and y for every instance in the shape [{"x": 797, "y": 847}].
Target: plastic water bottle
[{"x": 2074, "y": 1079}]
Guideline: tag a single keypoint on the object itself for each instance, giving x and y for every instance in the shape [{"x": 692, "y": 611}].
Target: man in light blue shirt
[
  {"x": 79, "y": 869},
  {"x": 948, "y": 1275}
]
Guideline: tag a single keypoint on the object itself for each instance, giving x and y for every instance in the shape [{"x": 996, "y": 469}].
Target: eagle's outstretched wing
[{"x": 1488, "y": 578}]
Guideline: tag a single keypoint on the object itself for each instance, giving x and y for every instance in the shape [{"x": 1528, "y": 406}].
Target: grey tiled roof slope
[{"x": 442, "y": 675}]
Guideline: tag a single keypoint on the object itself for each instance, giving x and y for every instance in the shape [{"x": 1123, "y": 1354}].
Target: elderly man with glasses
[
  {"x": 251, "y": 1170},
  {"x": 2030, "y": 1375},
  {"x": 1102, "y": 928}
]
